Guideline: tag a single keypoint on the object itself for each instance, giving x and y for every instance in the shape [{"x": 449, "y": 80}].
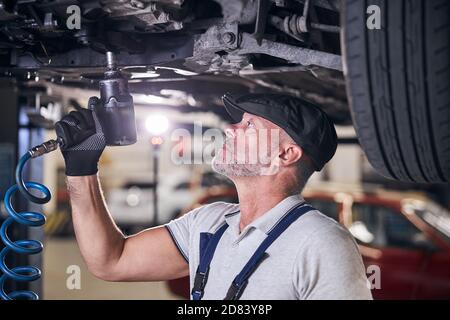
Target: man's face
[{"x": 250, "y": 149}]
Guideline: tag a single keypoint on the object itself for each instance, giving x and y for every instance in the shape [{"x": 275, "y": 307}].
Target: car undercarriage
[
  {"x": 251, "y": 44},
  {"x": 384, "y": 80}
]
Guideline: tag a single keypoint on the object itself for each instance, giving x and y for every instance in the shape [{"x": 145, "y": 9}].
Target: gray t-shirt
[{"x": 314, "y": 258}]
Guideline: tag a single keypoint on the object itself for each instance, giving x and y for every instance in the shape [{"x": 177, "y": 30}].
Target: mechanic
[{"x": 271, "y": 245}]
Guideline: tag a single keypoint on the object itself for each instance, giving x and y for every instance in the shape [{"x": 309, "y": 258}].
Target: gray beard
[{"x": 235, "y": 169}]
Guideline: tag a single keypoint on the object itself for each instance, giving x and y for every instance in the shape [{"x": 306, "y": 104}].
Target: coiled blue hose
[{"x": 27, "y": 218}]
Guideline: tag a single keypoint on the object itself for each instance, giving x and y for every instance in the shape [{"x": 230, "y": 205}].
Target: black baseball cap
[{"x": 303, "y": 121}]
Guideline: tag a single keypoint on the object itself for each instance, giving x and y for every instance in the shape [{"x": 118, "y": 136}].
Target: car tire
[{"x": 398, "y": 86}]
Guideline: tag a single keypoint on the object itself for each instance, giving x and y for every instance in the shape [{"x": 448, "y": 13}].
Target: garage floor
[{"x": 61, "y": 253}]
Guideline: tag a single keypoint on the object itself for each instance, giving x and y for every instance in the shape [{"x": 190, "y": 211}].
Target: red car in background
[{"x": 404, "y": 234}]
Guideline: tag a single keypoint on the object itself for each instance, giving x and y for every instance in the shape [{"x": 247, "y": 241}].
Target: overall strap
[
  {"x": 201, "y": 275},
  {"x": 240, "y": 282}
]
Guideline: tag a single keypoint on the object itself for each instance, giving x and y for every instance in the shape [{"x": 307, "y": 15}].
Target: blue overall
[{"x": 208, "y": 245}]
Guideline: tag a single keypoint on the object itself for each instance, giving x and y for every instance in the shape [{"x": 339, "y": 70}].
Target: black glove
[{"x": 82, "y": 141}]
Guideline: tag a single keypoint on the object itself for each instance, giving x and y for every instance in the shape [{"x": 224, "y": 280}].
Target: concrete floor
[{"x": 59, "y": 254}]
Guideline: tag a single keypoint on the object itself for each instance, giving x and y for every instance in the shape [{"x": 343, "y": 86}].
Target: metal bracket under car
[{"x": 222, "y": 45}]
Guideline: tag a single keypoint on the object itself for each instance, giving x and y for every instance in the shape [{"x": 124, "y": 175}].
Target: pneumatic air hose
[{"x": 26, "y": 218}]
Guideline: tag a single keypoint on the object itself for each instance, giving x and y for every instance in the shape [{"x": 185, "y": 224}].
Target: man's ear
[{"x": 290, "y": 153}]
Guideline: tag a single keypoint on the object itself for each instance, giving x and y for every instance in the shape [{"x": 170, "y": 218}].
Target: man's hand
[{"x": 82, "y": 142}]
